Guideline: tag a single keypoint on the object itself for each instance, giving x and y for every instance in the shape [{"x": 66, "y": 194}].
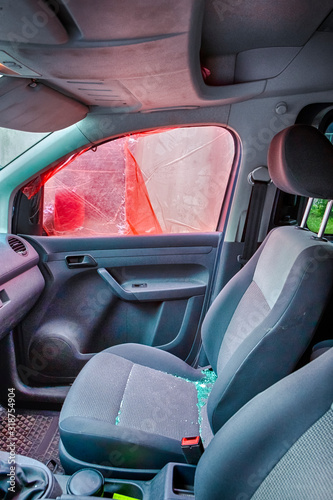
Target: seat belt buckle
[{"x": 193, "y": 449}]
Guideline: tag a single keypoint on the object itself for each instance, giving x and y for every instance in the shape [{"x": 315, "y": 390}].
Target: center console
[{"x": 25, "y": 478}]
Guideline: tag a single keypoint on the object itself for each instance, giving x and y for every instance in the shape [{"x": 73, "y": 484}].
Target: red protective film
[
  {"x": 163, "y": 181},
  {"x": 69, "y": 211},
  {"x": 35, "y": 184},
  {"x": 140, "y": 215}
]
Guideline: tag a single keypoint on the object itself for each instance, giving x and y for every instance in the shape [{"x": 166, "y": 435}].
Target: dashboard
[{"x": 21, "y": 281}]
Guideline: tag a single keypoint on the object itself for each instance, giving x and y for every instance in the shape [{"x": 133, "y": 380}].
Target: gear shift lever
[{"x": 25, "y": 479}]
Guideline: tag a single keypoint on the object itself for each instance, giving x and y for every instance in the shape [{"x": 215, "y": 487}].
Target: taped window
[{"x": 170, "y": 181}]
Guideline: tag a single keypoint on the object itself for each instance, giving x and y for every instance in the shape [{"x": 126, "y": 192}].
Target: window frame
[
  {"x": 313, "y": 228},
  {"x": 229, "y": 188}
]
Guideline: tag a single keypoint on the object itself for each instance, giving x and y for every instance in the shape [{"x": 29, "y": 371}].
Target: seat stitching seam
[
  {"x": 122, "y": 399},
  {"x": 267, "y": 333}
]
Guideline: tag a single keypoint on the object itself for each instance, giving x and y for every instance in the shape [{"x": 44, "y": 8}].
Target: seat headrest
[{"x": 300, "y": 161}]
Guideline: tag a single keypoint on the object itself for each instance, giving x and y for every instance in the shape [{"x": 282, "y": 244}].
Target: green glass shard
[
  {"x": 204, "y": 387},
  {"x": 119, "y": 412}
]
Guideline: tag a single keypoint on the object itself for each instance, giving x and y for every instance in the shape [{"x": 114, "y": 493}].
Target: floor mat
[{"x": 36, "y": 434}]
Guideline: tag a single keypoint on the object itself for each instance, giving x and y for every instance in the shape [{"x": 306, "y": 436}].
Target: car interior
[{"x": 166, "y": 229}]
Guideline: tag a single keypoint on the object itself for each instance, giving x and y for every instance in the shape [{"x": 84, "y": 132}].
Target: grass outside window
[{"x": 319, "y": 206}]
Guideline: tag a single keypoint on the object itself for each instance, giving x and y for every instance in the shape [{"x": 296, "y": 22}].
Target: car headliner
[{"x": 65, "y": 59}]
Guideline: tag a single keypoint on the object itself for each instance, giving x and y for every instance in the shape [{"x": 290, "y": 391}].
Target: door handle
[
  {"x": 77, "y": 261},
  {"x": 115, "y": 286},
  {"x": 155, "y": 291}
]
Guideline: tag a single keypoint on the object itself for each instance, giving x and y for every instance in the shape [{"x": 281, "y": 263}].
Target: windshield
[{"x": 15, "y": 142}]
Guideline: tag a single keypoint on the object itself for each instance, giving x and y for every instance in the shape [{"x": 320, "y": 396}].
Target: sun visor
[
  {"x": 32, "y": 107},
  {"x": 31, "y": 21}
]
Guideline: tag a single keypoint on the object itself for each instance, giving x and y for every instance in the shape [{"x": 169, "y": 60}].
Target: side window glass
[
  {"x": 319, "y": 206},
  {"x": 170, "y": 181}
]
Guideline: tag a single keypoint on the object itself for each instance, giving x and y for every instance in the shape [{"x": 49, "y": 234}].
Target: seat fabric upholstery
[
  {"x": 146, "y": 408},
  {"x": 133, "y": 403},
  {"x": 279, "y": 445},
  {"x": 260, "y": 339}
]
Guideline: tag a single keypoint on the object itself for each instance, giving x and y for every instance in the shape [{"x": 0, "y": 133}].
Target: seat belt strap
[{"x": 259, "y": 179}]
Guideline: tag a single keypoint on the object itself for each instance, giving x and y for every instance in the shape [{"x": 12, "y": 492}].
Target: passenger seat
[{"x": 130, "y": 406}]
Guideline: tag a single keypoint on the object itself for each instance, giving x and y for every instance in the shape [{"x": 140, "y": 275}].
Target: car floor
[{"x": 36, "y": 435}]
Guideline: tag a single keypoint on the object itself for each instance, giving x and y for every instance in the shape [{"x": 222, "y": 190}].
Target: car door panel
[{"x": 102, "y": 292}]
